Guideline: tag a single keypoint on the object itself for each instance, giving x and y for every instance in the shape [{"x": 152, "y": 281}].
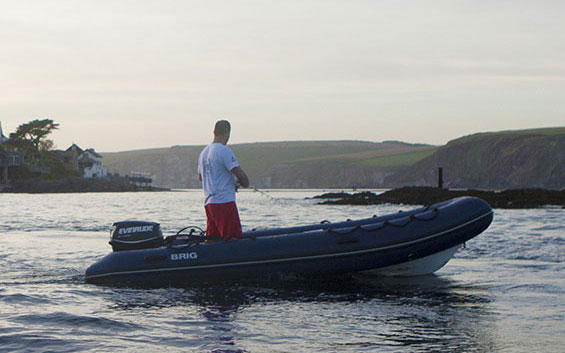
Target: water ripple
[
  {"x": 62, "y": 319},
  {"x": 23, "y": 299}
]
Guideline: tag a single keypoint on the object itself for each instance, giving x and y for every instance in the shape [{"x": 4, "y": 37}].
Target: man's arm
[{"x": 242, "y": 178}]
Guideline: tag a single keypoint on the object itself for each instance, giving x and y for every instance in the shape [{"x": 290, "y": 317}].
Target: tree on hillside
[{"x": 33, "y": 134}]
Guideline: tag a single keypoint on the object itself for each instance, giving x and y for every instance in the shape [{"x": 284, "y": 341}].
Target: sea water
[{"x": 503, "y": 292}]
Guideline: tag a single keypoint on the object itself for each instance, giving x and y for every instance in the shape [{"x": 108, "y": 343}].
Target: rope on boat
[{"x": 399, "y": 223}]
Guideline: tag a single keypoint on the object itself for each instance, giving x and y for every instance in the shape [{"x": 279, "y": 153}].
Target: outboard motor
[{"x": 134, "y": 235}]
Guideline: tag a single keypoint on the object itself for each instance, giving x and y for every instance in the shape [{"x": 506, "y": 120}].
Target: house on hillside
[
  {"x": 9, "y": 157},
  {"x": 88, "y": 162},
  {"x": 70, "y": 156}
]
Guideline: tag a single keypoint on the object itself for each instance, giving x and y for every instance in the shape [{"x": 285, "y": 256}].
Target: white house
[{"x": 90, "y": 163}]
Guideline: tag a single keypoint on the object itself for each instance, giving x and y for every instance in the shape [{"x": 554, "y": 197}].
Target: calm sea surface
[{"x": 504, "y": 292}]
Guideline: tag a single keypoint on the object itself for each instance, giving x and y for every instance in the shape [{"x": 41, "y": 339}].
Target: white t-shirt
[{"x": 214, "y": 165}]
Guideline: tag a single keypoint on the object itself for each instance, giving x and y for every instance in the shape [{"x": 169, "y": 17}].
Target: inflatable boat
[{"x": 410, "y": 243}]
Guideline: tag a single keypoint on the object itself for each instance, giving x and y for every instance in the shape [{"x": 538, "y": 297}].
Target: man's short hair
[{"x": 222, "y": 127}]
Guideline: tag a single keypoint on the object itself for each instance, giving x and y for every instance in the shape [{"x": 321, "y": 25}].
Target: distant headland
[{"x": 504, "y": 160}]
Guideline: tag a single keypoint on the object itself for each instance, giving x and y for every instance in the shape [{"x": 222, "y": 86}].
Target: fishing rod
[
  {"x": 261, "y": 192},
  {"x": 238, "y": 186}
]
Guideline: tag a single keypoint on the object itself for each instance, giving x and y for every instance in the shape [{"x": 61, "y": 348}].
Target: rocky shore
[
  {"x": 517, "y": 198},
  {"x": 75, "y": 184}
]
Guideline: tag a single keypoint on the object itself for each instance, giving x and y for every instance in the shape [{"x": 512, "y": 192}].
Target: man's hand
[{"x": 241, "y": 177}]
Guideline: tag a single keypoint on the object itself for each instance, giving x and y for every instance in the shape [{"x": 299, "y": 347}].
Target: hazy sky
[{"x": 121, "y": 75}]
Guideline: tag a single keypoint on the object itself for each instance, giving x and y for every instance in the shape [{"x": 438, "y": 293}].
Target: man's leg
[{"x": 211, "y": 229}]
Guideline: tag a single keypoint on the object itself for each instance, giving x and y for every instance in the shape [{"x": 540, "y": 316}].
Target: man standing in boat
[{"x": 218, "y": 170}]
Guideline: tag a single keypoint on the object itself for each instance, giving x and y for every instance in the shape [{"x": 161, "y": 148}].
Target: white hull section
[{"x": 423, "y": 266}]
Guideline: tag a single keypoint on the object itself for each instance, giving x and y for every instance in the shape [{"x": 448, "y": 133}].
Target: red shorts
[{"x": 223, "y": 220}]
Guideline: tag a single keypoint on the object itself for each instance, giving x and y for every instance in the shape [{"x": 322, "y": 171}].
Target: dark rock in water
[
  {"x": 343, "y": 198},
  {"x": 332, "y": 195},
  {"x": 75, "y": 184},
  {"x": 516, "y": 198}
]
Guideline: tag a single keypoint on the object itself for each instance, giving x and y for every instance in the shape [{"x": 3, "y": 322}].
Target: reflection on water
[
  {"x": 362, "y": 312},
  {"x": 221, "y": 327}
]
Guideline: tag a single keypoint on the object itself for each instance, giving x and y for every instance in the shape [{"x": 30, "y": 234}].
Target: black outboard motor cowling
[{"x": 135, "y": 235}]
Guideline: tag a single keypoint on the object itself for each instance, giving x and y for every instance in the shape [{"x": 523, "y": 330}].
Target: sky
[{"x": 124, "y": 75}]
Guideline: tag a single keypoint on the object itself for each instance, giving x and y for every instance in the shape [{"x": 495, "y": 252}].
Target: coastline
[
  {"x": 510, "y": 199},
  {"x": 75, "y": 185}
]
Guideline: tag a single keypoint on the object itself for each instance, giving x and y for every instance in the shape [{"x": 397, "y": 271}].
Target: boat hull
[{"x": 410, "y": 243}]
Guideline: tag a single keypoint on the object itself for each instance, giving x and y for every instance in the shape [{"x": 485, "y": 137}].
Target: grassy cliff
[{"x": 496, "y": 160}]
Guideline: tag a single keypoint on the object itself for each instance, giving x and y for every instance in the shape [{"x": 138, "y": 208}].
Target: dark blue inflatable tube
[{"x": 404, "y": 243}]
